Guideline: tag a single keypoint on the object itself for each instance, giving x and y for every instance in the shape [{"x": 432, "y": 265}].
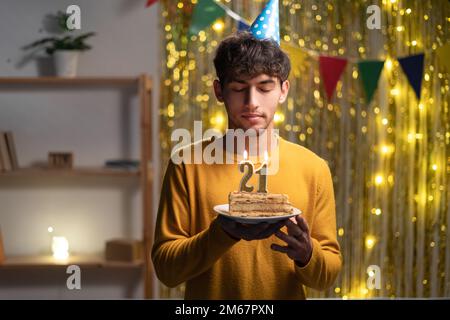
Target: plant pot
[{"x": 66, "y": 62}]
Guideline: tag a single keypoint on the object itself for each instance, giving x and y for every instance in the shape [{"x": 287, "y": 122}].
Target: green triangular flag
[
  {"x": 205, "y": 13},
  {"x": 370, "y": 71}
]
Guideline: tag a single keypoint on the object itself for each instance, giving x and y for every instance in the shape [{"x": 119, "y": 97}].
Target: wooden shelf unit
[
  {"x": 99, "y": 81},
  {"x": 145, "y": 172},
  {"x": 83, "y": 261},
  {"x": 82, "y": 171}
]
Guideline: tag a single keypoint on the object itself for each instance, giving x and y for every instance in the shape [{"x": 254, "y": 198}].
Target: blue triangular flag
[
  {"x": 267, "y": 24},
  {"x": 413, "y": 68},
  {"x": 243, "y": 26}
]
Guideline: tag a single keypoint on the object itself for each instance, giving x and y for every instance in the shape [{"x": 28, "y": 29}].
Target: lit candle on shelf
[
  {"x": 247, "y": 175},
  {"x": 262, "y": 171},
  {"x": 60, "y": 248}
]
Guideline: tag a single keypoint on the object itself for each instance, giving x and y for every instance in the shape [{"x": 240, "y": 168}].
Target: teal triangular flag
[
  {"x": 370, "y": 71},
  {"x": 413, "y": 68},
  {"x": 205, "y": 13}
]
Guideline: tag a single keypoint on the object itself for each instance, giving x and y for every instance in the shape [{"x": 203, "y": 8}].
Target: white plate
[{"x": 223, "y": 209}]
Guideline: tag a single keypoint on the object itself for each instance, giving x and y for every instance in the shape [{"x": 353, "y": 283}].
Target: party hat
[{"x": 267, "y": 24}]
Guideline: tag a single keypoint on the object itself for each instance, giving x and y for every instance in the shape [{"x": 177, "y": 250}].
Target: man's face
[{"x": 251, "y": 103}]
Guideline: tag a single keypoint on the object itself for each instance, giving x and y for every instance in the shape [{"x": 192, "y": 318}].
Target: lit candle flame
[
  {"x": 266, "y": 156},
  {"x": 60, "y": 248},
  {"x": 245, "y": 154}
]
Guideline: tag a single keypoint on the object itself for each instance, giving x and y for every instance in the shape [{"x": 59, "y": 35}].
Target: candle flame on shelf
[{"x": 60, "y": 248}]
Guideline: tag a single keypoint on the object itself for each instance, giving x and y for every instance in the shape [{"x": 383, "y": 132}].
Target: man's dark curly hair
[{"x": 242, "y": 56}]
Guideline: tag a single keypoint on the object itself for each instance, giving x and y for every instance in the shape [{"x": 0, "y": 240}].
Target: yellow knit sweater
[{"x": 190, "y": 246}]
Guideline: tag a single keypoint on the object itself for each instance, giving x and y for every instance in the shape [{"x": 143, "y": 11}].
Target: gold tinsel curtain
[{"x": 390, "y": 158}]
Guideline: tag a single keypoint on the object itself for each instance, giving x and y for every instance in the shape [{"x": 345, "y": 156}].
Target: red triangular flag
[
  {"x": 150, "y": 2},
  {"x": 331, "y": 69}
]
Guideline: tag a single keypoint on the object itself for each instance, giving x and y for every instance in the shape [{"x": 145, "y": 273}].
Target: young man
[{"x": 219, "y": 258}]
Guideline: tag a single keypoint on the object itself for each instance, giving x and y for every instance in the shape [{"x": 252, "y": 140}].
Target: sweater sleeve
[
  {"x": 177, "y": 255},
  {"x": 325, "y": 263}
]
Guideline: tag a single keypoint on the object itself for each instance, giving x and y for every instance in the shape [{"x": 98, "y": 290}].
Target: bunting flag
[
  {"x": 370, "y": 72},
  {"x": 413, "y": 68},
  {"x": 150, "y": 2},
  {"x": 443, "y": 54},
  {"x": 267, "y": 24},
  {"x": 205, "y": 13},
  {"x": 296, "y": 55},
  {"x": 331, "y": 69},
  {"x": 243, "y": 26}
]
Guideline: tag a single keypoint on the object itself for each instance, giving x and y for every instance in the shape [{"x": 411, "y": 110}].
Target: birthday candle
[
  {"x": 262, "y": 171},
  {"x": 246, "y": 177}
]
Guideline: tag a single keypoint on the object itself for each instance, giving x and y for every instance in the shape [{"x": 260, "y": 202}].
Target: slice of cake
[{"x": 256, "y": 204}]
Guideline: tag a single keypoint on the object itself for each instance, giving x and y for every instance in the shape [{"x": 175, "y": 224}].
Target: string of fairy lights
[{"x": 390, "y": 159}]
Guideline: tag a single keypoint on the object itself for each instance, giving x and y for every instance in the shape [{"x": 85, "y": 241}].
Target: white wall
[{"x": 96, "y": 123}]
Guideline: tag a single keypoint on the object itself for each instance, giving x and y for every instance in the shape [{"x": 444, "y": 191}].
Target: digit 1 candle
[{"x": 262, "y": 172}]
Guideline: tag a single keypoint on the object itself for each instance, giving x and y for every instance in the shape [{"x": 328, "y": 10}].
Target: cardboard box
[
  {"x": 128, "y": 250},
  {"x": 60, "y": 160}
]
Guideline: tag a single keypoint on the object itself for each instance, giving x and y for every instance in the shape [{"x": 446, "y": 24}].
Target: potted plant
[{"x": 65, "y": 49}]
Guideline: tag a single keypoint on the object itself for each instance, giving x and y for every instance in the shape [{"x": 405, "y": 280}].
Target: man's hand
[
  {"x": 299, "y": 244},
  {"x": 249, "y": 232}
]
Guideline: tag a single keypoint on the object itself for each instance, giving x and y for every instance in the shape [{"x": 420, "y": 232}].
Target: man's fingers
[
  {"x": 288, "y": 239},
  {"x": 271, "y": 229},
  {"x": 277, "y": 226},
  {"x": 252, "y": 231},
  {"x": 279, "y": 248},
  {"x": 230, "y": 223},
  {"x": 293, "y": 229},
  {"x": 301, "y": 222}
]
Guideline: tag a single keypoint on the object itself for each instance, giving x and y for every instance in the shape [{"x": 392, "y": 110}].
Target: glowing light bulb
[
  {"x": 370, "y": 242},
  {"x": 388, "y": 64},
  {"x": 218, "y": 26},
  {"x": 386, "y": 149},
  {"x": 376, "y": 211},
  {"x": 363, "y": 290},
  {"x": 379, "y": 179},
  {"x": 218, "y": 120},
  {"x": 395, "y": 92},
  {"x": 278, "y": 117},
  {"x": 434, "y": 167},
  {"x": 50, "y": 229},
  {"x": 384, "y": 121}
]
